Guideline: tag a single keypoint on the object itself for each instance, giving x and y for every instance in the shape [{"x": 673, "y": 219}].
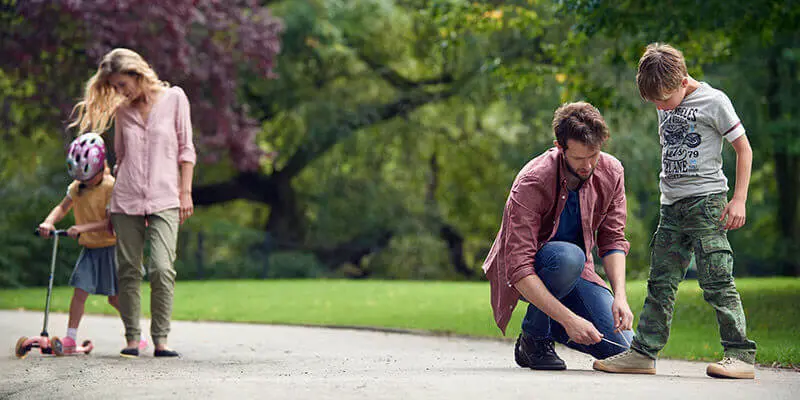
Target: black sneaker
[
  {"x": 129, "y": 352},
  {"x": 537, "y": 354},
  {"x": 165, "y": 353}
]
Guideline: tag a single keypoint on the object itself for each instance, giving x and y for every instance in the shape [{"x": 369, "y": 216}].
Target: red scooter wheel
[
  {"x": 57, "y": 346},
  {"x": 21, "y": 350},
  {"x": 87, "y": 344}
]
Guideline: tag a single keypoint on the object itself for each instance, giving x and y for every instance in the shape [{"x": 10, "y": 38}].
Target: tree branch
[
  {"x": 328, "y": 135},
  {"x": 398, "y": 81},
  {"x": 354, "y": 250},
  {"x": 251, "y": 186}
]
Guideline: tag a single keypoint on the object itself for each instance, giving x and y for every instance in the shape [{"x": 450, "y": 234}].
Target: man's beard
[{"x": 577, "y": 175}]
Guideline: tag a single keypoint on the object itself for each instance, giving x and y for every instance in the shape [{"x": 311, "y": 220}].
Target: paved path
[{"x": 278, "y": 362}]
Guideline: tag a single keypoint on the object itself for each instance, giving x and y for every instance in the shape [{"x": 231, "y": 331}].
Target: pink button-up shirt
[
  {"x": 149, "y": 154},
  {"x": 531, "y": 217}
]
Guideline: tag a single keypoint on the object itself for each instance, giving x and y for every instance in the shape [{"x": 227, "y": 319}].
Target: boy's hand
[
  {"x": 735, "y": 212},
  {"x": 45, "y": 228},
  {"x": 74, "y": 231}
]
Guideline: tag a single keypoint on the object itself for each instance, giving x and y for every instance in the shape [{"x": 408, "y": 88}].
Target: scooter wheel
[
  {"x": 19, "y": 350},
  {"x": 57, "y": 346},
  {"x": 85, "y": 345}
]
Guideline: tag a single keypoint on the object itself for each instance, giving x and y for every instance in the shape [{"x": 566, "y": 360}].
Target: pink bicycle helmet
[{"x": 86, "y": 156}]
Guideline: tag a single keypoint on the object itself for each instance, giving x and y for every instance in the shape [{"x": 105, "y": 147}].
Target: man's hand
[
  {"x": 623, "y": 317},
  {"x": 582, "y": 331},
  {"x": 735, "y": 211}
]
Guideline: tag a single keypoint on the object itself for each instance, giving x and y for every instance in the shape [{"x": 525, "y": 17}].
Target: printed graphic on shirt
[{"x": 680, "y": 140}]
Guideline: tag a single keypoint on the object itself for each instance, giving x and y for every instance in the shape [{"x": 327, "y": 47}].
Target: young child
[
  {"x": 694, "y": 118},
  {"x": 88, "y": 196}
]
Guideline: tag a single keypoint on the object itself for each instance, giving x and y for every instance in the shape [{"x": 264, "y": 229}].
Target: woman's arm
[{"x": 187, "y": 205}]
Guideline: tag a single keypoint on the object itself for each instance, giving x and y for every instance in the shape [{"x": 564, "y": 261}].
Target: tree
[
  {"x": 202, "y": 45},
  {"x": 345, "y": 72}
]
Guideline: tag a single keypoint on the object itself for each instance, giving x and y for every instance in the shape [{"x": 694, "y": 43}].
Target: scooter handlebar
[{"x": 57, "y": 232}]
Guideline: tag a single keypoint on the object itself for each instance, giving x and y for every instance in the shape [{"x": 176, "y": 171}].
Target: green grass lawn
[{"x": 771, "y": 305}]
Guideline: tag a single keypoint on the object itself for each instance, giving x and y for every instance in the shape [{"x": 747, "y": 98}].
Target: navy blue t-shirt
[{"x": 569, "y": 225}]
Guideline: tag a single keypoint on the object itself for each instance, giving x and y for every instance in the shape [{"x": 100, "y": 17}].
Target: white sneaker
[{"x": 731, "y": 368}]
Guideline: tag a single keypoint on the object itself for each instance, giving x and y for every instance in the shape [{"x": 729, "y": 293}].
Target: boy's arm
[
  {"x": 56, "y": 214},
  {"x": 736, "y": 211}
]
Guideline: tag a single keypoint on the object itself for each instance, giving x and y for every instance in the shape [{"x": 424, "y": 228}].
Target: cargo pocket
[
  {"x": 715, "y": 243},
  {"x": 717, "y": 258},
  {"x": 713, "y": 206}
]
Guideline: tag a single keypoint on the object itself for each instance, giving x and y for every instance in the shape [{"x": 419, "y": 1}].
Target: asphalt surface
[{"x": 221, "y": 360}]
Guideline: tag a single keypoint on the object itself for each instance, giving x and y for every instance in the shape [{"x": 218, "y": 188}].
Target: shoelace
[
  {"x": 620, "y": 355},
  {"x": 546, "y": 346},
  {"x": 613, "y": 342},
  {"x": 726, "y": 361}
]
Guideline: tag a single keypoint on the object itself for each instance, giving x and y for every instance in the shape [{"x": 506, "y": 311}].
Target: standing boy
[{"x": 695, "y": 214}]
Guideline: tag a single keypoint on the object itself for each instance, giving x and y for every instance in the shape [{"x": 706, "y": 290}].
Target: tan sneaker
[
  {"x": 627, "y": 362},
  {"x": 731, "y": 368}
]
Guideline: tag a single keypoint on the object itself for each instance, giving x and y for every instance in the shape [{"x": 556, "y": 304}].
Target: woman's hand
[{"x": 187, "y": 206}]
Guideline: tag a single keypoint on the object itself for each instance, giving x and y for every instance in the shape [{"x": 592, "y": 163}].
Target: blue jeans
[{"x": 559, "y": 266}]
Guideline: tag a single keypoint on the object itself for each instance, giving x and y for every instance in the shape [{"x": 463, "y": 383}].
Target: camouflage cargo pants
[{"x": 692, "y": 226}]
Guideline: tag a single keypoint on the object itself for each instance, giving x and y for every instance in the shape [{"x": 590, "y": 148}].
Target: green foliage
[
  {"x": 490, "y": 75},
  {"x": 27, "y": 198}
]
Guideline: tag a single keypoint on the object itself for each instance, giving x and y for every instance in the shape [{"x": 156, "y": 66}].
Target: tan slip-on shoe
[{"x": 627, "y": 362}]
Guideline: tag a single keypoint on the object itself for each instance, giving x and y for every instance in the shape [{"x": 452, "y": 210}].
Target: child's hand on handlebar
[
  {"x": 74, "y": 231},
  {"x": 45, "y": 228}
]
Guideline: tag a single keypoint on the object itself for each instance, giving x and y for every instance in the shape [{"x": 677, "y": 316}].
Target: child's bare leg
[
  {"x": 114, "y": 301},
  {"x": 76, "y": 307}
]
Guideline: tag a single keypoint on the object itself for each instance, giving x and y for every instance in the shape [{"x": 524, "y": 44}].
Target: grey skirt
[{"x": 96, "y": 271}]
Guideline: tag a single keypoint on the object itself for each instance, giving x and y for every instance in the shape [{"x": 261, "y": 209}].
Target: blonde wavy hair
[{"x": 96, "y": 111}]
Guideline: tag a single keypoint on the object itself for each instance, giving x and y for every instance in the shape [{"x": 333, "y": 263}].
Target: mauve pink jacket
[
  {"x": 150, "y": 153},
  {"x": 530, "y": 220}
]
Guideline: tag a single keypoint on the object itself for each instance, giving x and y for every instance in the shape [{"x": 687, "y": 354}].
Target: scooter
[{"x": 46, "y": 344}]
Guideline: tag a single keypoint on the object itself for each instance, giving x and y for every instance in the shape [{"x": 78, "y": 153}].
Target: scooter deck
[
  {"x": 59, "y": 350},
  {"x": 50, "y": 346}
]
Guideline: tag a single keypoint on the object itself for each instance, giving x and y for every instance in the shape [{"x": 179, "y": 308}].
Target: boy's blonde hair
[
  {"x": 100, "y": 101},
  {"x": 662, "y": 68}
]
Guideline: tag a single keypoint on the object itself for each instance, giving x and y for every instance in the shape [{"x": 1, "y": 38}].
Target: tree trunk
[
  {"x": 787, "y": 168},
  {"x": 455, "y": 248},
  {"x": 286, "y": 222},
  {"x": 448, "y": 233}
]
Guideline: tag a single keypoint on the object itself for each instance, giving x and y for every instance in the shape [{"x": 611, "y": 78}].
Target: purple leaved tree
[{"x": 201, "y": 45}]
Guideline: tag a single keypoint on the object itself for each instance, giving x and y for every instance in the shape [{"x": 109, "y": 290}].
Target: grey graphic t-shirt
[{"x": 691, "y": 144}]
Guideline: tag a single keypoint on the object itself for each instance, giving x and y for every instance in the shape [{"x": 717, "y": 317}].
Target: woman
[{"x": 152, "y": 195}]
